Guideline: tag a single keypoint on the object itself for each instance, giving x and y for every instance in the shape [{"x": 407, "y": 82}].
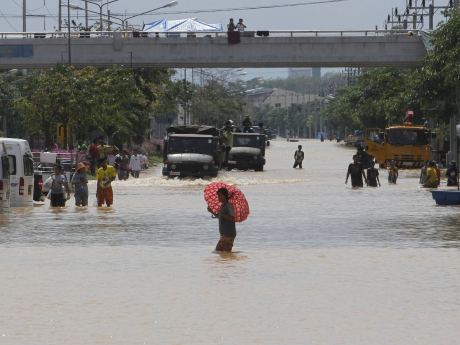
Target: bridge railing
[{"x": 206, "y": 34}]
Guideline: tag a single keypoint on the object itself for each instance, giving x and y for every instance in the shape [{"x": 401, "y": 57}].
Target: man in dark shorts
[
  {"x": 59, "y": 184},
  {"x": 356, "y": 171},
  {"x": 373, "y": 176},
  {"x": 227, "y": 227},
  {"x": 298, "y": 157}
]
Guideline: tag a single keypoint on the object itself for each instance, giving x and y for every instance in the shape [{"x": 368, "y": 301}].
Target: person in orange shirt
[{"x": 105, "y": 175}]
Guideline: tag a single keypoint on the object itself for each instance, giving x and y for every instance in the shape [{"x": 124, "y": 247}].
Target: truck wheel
[
  {"x": 268, "y": 143},
  {"x": 259, "y": 168}
]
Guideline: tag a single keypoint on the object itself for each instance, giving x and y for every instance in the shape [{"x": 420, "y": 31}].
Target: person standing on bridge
[
  {"x": 240, "y": 26},
  {"x": 231, "y": 25}
]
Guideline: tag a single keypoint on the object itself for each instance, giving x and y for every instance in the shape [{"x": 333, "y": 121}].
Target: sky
[{"x": 344, "y": 15}]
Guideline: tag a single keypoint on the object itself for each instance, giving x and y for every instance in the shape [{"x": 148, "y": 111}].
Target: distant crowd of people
[
  {"x": 363, "y": 170},
  {"x": 430, "y": 175},
  {"x": 103, "y": 161},
  {"x": 125, "y": 164}
]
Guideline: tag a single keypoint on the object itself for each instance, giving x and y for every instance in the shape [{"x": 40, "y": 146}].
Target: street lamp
[
  {"x": 124, "y": 22},
  {"x": 100, "y": 10},
  {"x": 169, "y": 4},
  {"x": 73, "y": 7}
]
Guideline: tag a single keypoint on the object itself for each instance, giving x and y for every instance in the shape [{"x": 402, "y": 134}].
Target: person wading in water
[
  {"x": 226, "y": 217},
  {"x": 298, "y": 157},
  {"x": 373, "y": 176},
  {"x": 356, "y": 171}
]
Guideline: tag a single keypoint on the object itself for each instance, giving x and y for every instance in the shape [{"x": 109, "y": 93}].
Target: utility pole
[
  {"x": 69, "y": 43},
  {"x": 86, "y": 15},
  {"x": 24, "y": 15},
  {"x": 60, "y": 16},
  {"x": 416, "y": 11}
]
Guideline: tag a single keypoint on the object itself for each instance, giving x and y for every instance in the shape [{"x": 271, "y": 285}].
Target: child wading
[
  {"x": 227, "y": 227},
  {"x": 393, "y": 173},
  {"x": 298, "y": 157}
]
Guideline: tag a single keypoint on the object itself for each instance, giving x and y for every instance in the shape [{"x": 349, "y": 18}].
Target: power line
[
  {"x": 6, "y": 19},
  {"x": 247, "y": 8},
  {"x": 215, "y": 10}
]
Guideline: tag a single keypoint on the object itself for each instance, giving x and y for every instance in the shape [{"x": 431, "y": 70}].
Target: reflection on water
[
  {"x": 316, "y": 262},
  {"x": 290, "y": 208}
]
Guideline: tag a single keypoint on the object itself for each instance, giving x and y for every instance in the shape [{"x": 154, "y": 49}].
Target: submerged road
[{"x": 316, "y": 262}]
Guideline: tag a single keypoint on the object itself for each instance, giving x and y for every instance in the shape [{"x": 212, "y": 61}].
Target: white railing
[{"x": 206, "y": 34}]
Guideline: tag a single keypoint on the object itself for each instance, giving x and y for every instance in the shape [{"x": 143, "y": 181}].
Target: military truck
[
  {"x": 264, "y": 131},
  {"x": 192, "y": 151},
  {"x": 248, "y": 152}
]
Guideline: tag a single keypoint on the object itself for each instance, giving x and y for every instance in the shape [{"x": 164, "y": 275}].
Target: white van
[
  {"x": 21, "y": 167},
  {"x": 4, "y": 179}
]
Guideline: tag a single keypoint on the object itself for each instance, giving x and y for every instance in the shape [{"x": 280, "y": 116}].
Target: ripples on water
[
  {"x": 316, "y": 263},
  {"x": 289, "y": 208}
]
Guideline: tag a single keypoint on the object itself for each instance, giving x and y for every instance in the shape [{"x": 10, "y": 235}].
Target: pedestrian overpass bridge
[{"x": 377, "y": 48}]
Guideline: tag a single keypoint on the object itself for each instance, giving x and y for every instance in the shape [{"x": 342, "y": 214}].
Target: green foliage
[
  {"x": 216, "y": 102},
  {"x": 378, "y": 98},
  {"x": 439, "y": 78},
  {"x": 381, "y": 96},
  {"x": 115, "y": 101}
]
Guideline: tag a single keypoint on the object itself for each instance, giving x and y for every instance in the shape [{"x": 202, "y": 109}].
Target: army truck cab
[
  {"x": 248, "y": 152},
  {"x": 192, "y": 151}
]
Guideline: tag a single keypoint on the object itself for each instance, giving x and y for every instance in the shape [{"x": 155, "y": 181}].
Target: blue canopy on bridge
[{"x": 181, "y": 25}]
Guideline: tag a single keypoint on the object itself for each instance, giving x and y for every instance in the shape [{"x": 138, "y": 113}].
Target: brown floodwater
[{"x": 317, "y": 262}]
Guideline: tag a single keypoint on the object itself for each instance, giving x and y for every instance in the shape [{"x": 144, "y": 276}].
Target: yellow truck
[{"x": 407, "y": 145}]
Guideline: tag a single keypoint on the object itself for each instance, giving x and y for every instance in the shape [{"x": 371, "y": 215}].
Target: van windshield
[{"x": 191, "y": 145}]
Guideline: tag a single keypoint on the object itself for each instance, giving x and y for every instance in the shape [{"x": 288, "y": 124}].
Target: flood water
[{"x": 317, "y": 262}]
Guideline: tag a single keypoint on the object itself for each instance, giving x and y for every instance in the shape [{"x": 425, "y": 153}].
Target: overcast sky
[
  {"x": 346, "y": 15},
  {"x": 351, "y": 14}
]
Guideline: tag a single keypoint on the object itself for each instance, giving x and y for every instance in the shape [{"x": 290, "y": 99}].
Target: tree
[
  {"x": 439, "y": 78},
  {"x": 115, "y": 101}
]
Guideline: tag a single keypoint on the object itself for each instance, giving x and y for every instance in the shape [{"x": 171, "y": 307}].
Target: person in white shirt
[
  {"x": 135, "y": 164},
  {"x": 144, "y": 162},
  {"x": 240, "y": 26}
]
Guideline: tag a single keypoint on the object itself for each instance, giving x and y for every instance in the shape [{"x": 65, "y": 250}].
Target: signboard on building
[{"x": 61, "y": 134}]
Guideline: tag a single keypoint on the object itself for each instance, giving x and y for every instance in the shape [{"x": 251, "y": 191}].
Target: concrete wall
[{"x": 389, "y": 50}]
